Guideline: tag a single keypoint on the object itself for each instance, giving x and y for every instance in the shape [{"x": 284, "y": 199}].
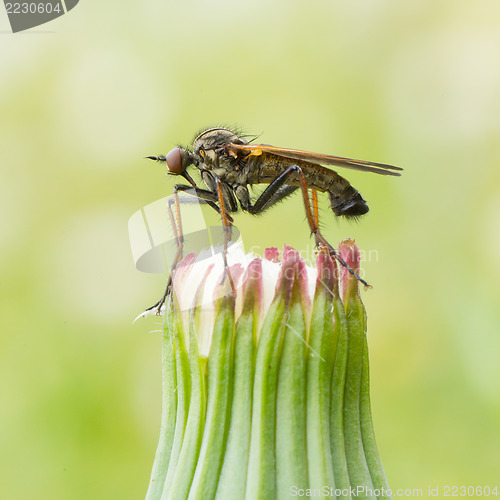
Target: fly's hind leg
[
  {"x": 315, "y": 206},
  {"x": 278, "y": 190},
  {"x": 313, "y": 220}
]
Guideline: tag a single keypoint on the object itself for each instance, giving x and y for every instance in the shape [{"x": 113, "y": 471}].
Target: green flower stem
[
  {"x": 359, "y": 475},
  {"x": 291, "y": 446},
  {"x": 182, "y": 390},
  {"x": 232, "y": 482},
  {"x": 375, "y": 467},
  {"x": 261, "y": 477},
  {"x": 337, "y": 405},
  {"x": 220, "y": 381},
  {"x": 168, "y": 410},
  {"x": 188, "y": 457}
]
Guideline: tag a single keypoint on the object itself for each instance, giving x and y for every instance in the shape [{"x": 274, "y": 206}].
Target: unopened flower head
[
  {"x": 199, "y": 284},
  {"x": 265, "y": 371}
]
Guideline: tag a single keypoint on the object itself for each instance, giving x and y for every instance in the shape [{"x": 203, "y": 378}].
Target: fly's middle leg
[
  {"x": 226, "y": 223},
  {"x": 203, "y": 196}
]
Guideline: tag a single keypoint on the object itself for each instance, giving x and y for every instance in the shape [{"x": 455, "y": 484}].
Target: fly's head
[
  {"x": 177, "y": 160},
  {"x": 208, "y": 147}
]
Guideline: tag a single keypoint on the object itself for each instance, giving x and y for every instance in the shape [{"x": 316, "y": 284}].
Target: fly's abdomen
[
  {"x": 344, "y": 199},
  {"x": 265, "y": 168},
  {"x": 348, "y": 203}
]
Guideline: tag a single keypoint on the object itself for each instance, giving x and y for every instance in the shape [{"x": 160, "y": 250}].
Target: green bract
[{"x": 281, "y": 403}]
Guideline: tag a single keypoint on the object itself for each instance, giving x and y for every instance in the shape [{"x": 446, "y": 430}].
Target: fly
[{"x": 229, "y": 164}]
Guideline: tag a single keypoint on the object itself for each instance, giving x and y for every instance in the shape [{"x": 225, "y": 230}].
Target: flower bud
[{"x": 266, "y": 382}]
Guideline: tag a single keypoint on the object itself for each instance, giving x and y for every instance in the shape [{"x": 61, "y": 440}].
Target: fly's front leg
[
  {"x": 201, "y": 196},
  {"x": 176, "y": 223}
]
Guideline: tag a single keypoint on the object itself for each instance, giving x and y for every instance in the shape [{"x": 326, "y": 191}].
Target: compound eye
[{"x": 174, "y": 161}]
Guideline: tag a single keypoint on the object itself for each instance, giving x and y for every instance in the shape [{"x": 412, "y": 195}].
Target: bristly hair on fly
[{"x": 236, "y": 129}]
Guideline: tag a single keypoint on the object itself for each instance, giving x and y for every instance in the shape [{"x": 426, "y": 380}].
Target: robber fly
[{"x": 228, "y": 164}]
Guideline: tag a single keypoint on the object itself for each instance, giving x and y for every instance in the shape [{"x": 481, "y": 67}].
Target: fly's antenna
[{"x": 160, "y": 158}]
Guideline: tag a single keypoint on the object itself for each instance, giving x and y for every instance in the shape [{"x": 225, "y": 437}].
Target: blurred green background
[{"x": 84, "y": 98}]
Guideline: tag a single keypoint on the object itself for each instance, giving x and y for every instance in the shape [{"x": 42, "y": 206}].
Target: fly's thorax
[
  {"x": 215, "y": 138},
  {"x": 224, "y": 167},
  {"x": 209, "y": 149}
]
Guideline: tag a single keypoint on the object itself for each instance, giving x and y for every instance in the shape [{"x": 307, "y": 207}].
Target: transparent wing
[{"x": 297, "y": 154}]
